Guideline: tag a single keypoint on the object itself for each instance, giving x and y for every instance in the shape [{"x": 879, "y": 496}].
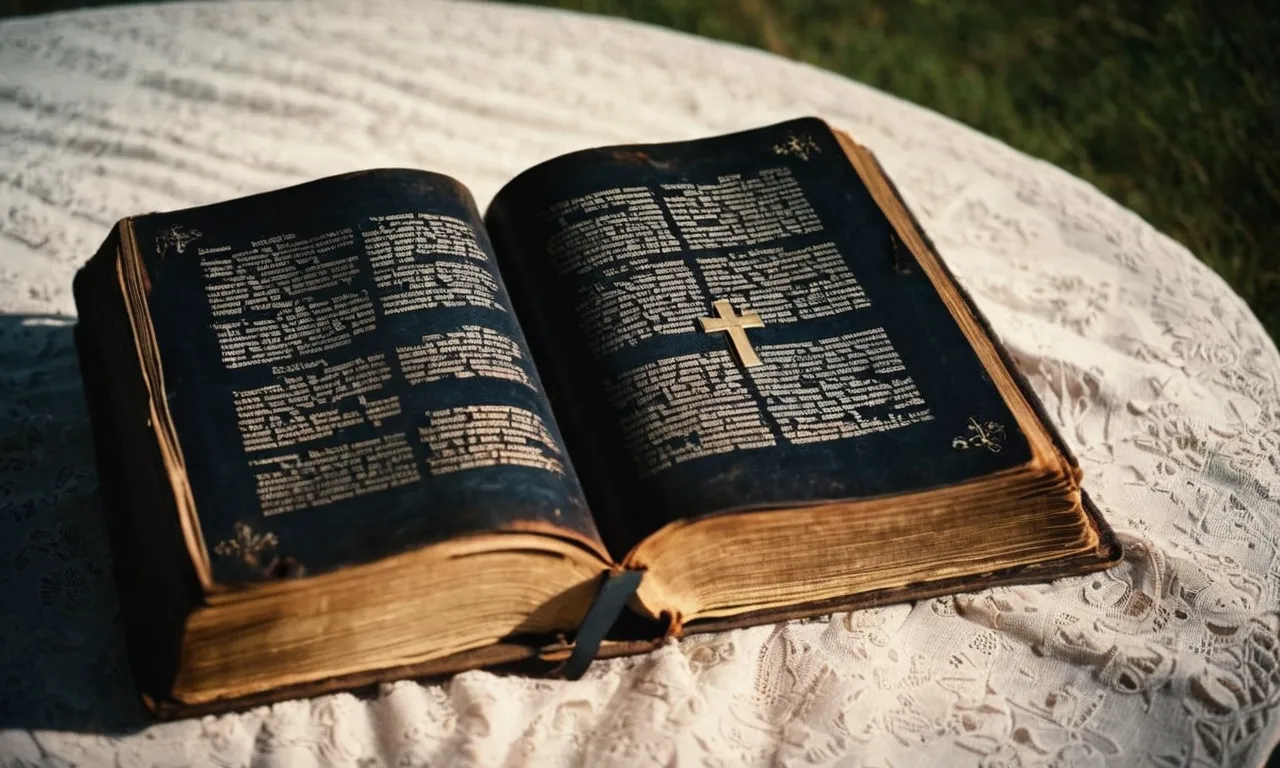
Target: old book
[{"x": 352, "y": 430}]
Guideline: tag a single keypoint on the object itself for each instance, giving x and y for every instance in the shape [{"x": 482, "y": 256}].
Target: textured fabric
[{"x": 1159, "y": 376}]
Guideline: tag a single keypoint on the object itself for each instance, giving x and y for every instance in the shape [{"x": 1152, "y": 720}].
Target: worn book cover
[{"x": 356, "y": 430}]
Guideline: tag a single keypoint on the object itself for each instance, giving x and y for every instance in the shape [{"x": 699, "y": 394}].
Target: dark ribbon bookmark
[{"x": 618, "y": 587}]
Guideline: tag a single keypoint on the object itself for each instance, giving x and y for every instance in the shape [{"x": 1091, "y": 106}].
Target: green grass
[{"x": 1172, "y": 107}]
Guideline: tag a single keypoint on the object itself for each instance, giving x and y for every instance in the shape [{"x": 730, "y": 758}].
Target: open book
[{"x": 351, "y": 430}]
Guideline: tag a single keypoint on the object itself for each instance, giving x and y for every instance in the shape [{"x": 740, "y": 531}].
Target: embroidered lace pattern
[{"x": 1159, "y": 376}]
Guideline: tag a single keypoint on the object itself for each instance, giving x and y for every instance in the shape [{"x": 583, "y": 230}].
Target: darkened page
[
  {"x": 731, "y": 323},
  {"x": 347, "y": 377}
]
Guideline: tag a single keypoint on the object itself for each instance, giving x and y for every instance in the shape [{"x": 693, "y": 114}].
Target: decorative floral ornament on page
[
  {"x": 246, "y": 545},
  {"x": 176, "y": 237},
  {"x": 802, "y": 146},
  {"x": 988, "y": 434}
]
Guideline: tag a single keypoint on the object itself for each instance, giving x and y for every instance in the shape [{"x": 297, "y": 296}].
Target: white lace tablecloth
[{"x": 1159, "y": 376}]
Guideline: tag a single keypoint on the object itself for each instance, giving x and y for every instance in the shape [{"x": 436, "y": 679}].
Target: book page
[
  {"x": 736, "y": 326},
  {"x": 348, "y": 378}
]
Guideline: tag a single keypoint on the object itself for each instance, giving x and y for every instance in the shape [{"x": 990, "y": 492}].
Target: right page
[{"x": 732, "y": 323}]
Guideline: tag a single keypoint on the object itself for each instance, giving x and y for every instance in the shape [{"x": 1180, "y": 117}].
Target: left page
[{"x": 347, "y": 378}]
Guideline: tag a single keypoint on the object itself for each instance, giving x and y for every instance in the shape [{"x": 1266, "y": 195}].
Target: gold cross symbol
[{"x": 734, "y": 325}]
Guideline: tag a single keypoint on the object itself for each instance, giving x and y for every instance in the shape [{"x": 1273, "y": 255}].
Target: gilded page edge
[
  {"x": 1042, "y": 444},
  {"x": 129, "y": 271}
]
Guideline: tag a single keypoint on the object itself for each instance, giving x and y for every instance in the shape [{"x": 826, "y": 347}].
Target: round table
[{"x": 1158, "y": 375}]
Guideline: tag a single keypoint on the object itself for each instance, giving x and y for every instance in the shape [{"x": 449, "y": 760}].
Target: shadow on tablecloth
[{"x": 63, "y": 662}]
